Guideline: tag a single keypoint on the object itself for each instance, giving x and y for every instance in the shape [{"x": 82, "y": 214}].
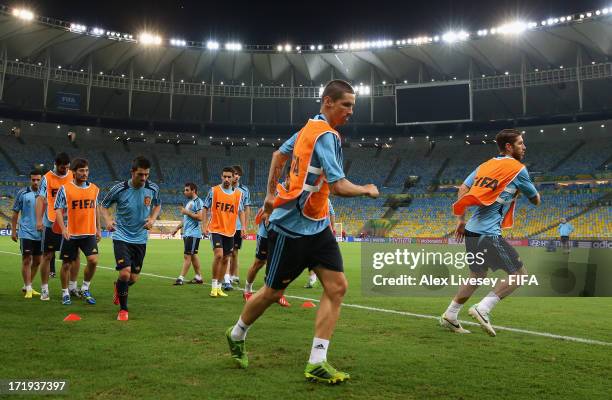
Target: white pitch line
[{"x": 408, "y": 314}]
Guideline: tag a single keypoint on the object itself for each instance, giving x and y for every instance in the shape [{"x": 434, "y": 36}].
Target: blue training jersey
[
  {"x": 246, "y": 200},
  {"x": 327, "y": 155},
  {"x": 565, "y": 229},
  {"x": 193, "y": 227},
  {"x": 133, "y": 209},
  {"x": 25, "y": 204},
  {"x": 487, "y": 220}
]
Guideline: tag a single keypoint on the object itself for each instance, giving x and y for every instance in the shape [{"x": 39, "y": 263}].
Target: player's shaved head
[
  {"x": 140, "y": 162},
  {"x": 35, "y": 178},
  {"x": 62, "y": 159},
  {"x": 336, "y": 89}
]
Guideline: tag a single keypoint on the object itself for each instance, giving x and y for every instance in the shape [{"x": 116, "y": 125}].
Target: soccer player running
[
  {"x": 191, "y": 227},
  {"x": 299, "y": 236},
  {"x": 261, "y": 256},
  {"x": 565, "y": 229},
  {"x": 45, "y": 222},
  {"x": 29, "y": 238},
  {"x": 137, "y": 207},
  {"x": 493, "y": 187},
  {"x": 226, "y": 205},
  {"x": 79, "y": 200}
]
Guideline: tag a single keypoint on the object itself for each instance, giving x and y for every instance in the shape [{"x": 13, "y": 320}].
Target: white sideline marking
[{"x": 408, "y": 314}]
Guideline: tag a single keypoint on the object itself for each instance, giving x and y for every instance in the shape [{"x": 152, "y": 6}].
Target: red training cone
[
  {"x": 309, "y": 304},
  {"x": 72, "y": 317}
]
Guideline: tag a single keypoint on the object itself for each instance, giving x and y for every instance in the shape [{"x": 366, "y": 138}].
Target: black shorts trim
[
  {"x": 69, "y": 249},
  {"x": 30, "y": 247},
  {"x": 129, "y": 255},
  {"x": 219, "y": 241},
  {"x": 496, "y": 252},
  {"x": 288, "y": 257},
  {"x": 191, "y": 244},
  {"x": 51, "y": 241},
  {"x": 238, "y": 240},
  {"x": 261, "y": 252}
]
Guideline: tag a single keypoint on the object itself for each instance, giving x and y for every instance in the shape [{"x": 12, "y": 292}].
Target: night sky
[{"x": 302, "y": 22}]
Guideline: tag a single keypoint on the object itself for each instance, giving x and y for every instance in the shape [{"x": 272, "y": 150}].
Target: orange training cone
[
  {"x": 72, "y": 317},
  {"x": 309, "y": 304}
]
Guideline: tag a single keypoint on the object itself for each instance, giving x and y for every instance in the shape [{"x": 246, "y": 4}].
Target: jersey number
[{"x": 295, "y": 166}]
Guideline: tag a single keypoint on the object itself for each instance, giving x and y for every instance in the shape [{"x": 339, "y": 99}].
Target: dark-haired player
[{"x": 138, "y": 206}]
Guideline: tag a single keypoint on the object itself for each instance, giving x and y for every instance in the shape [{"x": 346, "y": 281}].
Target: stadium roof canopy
[
  {"x": 546, "y": 47},
  {"x": 555, "y": 67}
]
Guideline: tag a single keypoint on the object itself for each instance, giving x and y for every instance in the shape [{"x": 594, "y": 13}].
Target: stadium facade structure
[{"x": 556, "y": 73}]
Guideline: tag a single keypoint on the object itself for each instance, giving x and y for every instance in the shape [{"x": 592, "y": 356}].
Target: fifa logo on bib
[
  {"x": 83, "y": 203},
  {"x": 486, "y": 182},
  {"x": 224, "y": 207}
]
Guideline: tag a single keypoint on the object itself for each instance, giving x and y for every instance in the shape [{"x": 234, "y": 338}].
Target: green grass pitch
[{"x": 173, "y": 347}]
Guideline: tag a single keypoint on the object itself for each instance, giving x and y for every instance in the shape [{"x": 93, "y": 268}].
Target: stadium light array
[
  {"x": 78, "y": 28},
  {"x": 514, "y": 28},
  {"x": 232, "y": 46},
  {"x": 508, "y": 28},
  {"x": 178, "y": 42},
  {"x": 452, "y": 37},
  {"x": 363, "y": 89},
  {"x": 23, "y": 14},
  {"x": 149, "y": 39}
]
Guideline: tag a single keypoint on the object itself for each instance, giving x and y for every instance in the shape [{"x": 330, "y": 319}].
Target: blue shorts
[{"x": 496, "y": 252}]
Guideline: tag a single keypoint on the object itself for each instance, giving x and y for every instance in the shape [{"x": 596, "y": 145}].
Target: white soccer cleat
[
  {"x": 452, "y": 325},
  {"x": 44, "y": 295},
  {"x": 483, "y": 319}
]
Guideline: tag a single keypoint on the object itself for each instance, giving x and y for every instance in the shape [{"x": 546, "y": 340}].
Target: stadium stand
[{"x": 426, "y": 215}]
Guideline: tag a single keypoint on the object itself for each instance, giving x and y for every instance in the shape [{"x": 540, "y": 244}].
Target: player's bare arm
[
  {"x": 14, "y": 225},
  {"x": 108, "y": 219},
  {"x": 460, "y": 229},
  {"x": 59, "y": 217},
  {"x": 41, "y": 203},
  {"x": 241, "y": 215},
  {"x": 345, "y": 188},
  {"x": 152, "y": 217},
  {"x": 98, "y": 225},
  {"x": 276, "y": 168}
]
